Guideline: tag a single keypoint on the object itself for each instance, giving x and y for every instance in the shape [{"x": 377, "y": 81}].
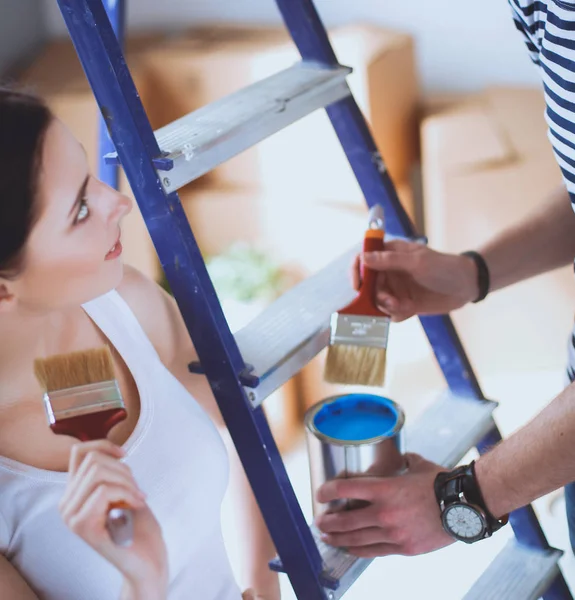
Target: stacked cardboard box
[{"x": 487, "y": 164}]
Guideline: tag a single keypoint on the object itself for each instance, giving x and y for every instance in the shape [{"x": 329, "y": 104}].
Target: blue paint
[{"x": 357, "y": 417}]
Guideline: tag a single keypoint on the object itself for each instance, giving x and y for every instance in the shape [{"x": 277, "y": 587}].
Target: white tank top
[{"x": 177, "y": 458}]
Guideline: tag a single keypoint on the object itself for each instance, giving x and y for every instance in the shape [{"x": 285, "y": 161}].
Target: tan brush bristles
[
  {"x": 63, "y": 371},
  {"x": 355, "y": 365}
]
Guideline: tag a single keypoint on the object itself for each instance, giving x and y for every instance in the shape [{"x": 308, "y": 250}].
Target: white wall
[
  {"x": 21, "y": 30},
  {"x": 461, "y": 45}
]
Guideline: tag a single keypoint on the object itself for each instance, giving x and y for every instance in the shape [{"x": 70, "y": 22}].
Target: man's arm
[
  {"x": 403, "y": 516},
  {"x": 416, "y": 280},
  {"x": 534, "y": 461},
  {"x": 542, "y": 242}
]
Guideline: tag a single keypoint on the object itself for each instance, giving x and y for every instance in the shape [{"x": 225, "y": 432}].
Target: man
[{"x": 421, "y": 511}]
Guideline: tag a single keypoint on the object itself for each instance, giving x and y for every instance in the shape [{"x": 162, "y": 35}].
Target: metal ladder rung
[
  {"x": 295, "y": 328},
  {"x": 291, "y": 331},
  {"x": 444, "y": 433},
  {"x": 449, "y": 428},
  {"x": 517, "y": 572},
  {"x": 200, "y": 141},
  {"x": 341, "y": 570}
]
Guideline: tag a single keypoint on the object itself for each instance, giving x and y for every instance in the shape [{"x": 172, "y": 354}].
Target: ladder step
[
  {"x": 444, "y": 433},
  {"x": 449, "y": 428},
  {"x": 200, "y": 141},
  {"x": 341, "y": 570},
  {"x": 517, "y": 572},
  {"x": 292, "y": 330}
]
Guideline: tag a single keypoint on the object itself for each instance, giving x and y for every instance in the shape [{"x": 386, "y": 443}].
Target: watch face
[{"x": 464, "y": 522}]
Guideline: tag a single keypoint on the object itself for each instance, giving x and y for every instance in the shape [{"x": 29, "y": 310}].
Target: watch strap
[
  {"x": 449, "y": 485},
  {"x": 473, "y": 494},
  {"x": 483, "y": 279}
]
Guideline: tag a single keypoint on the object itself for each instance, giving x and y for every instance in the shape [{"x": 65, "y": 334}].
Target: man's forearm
[
  {"x": 543, "y": 242},
  {"x": 534, "y": 461}
]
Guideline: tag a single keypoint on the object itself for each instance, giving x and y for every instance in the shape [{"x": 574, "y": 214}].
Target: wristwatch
[{"x": 464, "y": 514}]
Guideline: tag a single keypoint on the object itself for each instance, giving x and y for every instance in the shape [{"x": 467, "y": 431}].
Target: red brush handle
[
  {"x": 95, "y": 426},
  {"x": 364, "y": 303}
]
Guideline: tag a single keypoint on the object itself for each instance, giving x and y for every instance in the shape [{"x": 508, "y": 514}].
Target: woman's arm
[
  {"x": 12, "y": 584},
  {"x": 160, "y": 317}
]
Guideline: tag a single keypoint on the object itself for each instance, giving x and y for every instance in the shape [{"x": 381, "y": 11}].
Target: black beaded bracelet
[{"x": 482, "y": 274}]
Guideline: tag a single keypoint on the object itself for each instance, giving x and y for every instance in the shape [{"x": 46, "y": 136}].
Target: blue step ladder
[{"x": 246, "y": 368}]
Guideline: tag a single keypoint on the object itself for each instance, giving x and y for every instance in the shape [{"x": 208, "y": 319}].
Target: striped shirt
[{"x": 548, "y": 27}]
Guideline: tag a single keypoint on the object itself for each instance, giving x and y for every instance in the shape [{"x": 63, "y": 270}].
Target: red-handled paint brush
[
  {"x": 359, "y": 332},
  {"x": 83, "y": 400}
]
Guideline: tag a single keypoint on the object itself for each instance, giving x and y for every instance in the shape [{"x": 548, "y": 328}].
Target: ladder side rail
[
  {"x": 310, "y": 36},
  {"x": 109, "y": 77},
  {"x": 304, "y": 23},
  {"x": 110, "y": 173}
]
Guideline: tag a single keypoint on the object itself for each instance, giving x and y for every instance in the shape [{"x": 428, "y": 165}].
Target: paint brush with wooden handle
[
  {"x": 83, "y": 400},
  {"x": 357, "y": 349}
]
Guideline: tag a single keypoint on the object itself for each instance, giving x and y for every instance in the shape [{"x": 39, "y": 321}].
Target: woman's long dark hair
[{"x": 24, "y": 120}]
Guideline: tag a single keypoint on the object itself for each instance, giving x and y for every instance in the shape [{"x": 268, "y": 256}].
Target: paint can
[{"x": 353, "y": 435}]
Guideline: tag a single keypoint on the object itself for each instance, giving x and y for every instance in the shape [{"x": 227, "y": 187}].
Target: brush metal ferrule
[
  {"x": 82, "y": 400},
  {"x": 358, "y": 330},
  {"x": 376, "y": 218}
]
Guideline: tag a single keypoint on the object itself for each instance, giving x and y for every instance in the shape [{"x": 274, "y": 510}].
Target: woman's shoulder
[
  {"x": 157, "y": 313},
  {"x": 142, "y": 294}
]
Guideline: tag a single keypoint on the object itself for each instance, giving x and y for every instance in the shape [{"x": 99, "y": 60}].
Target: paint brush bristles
[
  {"x": 355, "y": 365},
  {"x": 64, "y": 371},
  {"x": 358, "y": 338},
  {"x": 77, "y": 384}
]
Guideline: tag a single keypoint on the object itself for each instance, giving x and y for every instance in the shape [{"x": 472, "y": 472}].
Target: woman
[{"x": 63, "y": 288}]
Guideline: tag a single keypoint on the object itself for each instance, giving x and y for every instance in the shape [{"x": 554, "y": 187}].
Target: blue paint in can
[{"x": 357, "y": 417}]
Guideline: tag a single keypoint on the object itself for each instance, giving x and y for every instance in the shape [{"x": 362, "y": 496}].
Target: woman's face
[{"x": 73, "y": 252}]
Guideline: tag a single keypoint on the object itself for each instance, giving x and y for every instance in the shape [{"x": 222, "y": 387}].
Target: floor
[{"x": 449, "y": 573}]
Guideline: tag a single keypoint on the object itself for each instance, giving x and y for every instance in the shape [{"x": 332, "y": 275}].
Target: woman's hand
[
  {"x": 97, "y": 479},
  {"x": 415, "y": 280}
]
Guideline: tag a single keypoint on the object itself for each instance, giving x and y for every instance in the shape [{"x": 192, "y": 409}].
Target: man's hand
[
  {"x": 402, "y": 518},
  {"x": 413, "y": 279}
]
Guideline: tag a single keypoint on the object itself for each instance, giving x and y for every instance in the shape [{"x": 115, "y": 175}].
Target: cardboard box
[
  {"x": 207, "y": 64},
  {"x": 57, "y": 75},
  {"x": 219, "y": 217},
  {"x": 487, "y": 165}
]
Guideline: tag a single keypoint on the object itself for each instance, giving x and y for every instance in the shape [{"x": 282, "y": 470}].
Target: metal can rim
[{"x": 313, "y": 410}]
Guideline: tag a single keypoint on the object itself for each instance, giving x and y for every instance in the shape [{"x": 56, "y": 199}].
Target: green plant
[{"x": 242, "y": 273}]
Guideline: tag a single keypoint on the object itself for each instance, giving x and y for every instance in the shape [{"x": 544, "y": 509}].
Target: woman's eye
[{"x": 83, "y": 211}]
